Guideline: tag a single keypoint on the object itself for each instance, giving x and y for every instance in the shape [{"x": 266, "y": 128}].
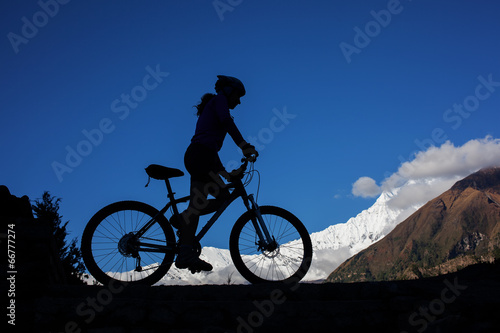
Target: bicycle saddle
[{"x": 160, "y": 172}]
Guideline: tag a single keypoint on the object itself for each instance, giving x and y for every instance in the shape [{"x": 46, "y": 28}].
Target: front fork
[{"x": 266, "y": 241}]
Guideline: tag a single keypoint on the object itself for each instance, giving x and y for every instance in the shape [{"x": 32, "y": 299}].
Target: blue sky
[{"x": 335, "y": 91}]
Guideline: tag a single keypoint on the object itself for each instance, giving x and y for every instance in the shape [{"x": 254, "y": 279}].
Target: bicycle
[{"x": 133, "y": 242}]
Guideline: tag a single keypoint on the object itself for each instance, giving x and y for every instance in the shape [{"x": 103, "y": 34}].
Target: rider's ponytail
[{"x": 204, "y": 100}]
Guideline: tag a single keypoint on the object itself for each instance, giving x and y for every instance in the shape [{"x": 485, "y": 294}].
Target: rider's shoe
[
  {"x": 200, "y": 265},
  {"x": 188, "y": 258}
]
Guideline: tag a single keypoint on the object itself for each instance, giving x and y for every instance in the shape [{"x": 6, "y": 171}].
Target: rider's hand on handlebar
[
  {"x": 249, "y": 151},
  {"x": 235, "y": 174}
]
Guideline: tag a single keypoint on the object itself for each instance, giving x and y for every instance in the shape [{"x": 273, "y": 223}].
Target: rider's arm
[{"x": 222, "y": 111}]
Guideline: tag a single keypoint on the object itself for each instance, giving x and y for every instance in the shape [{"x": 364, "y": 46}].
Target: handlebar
[
  {"x": 251, "y": 159},
  {"x": 245, "y": 160}
]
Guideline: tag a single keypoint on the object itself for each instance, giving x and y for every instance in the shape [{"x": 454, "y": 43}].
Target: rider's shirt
[{"x": 214, "y": 123}]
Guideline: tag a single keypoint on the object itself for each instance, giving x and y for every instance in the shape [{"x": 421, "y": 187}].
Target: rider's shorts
[{"x": 201, "y": 162}]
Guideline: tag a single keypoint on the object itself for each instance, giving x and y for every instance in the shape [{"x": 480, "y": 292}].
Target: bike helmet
[{"x": 228, "y": 83}]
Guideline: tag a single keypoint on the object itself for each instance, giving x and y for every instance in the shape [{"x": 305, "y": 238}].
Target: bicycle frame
[
  {"x": 250, "y": 204},
  {"x": 239, "y": 191}
]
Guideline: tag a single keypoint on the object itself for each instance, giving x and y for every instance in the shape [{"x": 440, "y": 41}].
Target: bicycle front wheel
[
  {"x": 287, "y": 260},
  {"x": 113, "y": 252}
]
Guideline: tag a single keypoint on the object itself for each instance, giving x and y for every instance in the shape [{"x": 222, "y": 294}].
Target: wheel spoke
[
  {"x": 284, "y": 262},
  {"x": 111, "y": 251}
]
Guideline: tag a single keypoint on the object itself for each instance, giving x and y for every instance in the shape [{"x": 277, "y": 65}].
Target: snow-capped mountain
[
  {"x": 339, "y": 242},
  {"x": 358, "y": 232}
]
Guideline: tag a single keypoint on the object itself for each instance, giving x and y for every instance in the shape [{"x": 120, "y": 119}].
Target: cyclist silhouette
[{"x": 205, "y": 167}]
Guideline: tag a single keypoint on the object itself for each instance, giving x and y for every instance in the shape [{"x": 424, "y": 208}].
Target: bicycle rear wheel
[
  {"x": 112, "y": 252},
  {"x": 288, "y": 260}
]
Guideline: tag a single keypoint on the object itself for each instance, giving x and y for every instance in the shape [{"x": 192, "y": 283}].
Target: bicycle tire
[
  {"x": 288, "y": 263},
  {"x": 104, "y": 255}
]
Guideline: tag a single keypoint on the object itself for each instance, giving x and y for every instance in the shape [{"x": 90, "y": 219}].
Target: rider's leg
[
  {"x": 200, "y": 205},
  {"x": 200, "y": 162},
  {"x": 217, "y": 189},
  {"x": 187, "y": 257}
]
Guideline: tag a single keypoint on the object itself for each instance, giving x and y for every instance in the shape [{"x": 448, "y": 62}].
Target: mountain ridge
[{"x": 459, "y": 227}]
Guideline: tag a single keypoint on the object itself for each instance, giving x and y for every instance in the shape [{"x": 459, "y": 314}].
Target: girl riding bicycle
[{"x": 204, "y": 165}]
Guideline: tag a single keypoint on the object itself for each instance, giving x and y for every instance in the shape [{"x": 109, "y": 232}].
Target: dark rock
[
  {"x": 12, "y": 207},
  {"x": 35, "y": 260}
]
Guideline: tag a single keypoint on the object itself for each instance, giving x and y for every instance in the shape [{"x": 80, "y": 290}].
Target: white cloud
[
  {"x": 366, "y": 187},
  {"x": 433, "y": 171},
  {"x": 448, "y": 160}
]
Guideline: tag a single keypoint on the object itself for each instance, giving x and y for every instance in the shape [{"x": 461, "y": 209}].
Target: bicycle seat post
[{"x": 171, "y": 197}]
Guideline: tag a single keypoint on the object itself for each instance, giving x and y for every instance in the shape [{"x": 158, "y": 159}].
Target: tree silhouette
[{"x": 47, "y": 211}]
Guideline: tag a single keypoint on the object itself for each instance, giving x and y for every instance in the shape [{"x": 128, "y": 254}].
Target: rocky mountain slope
[{"x": 456, "y": 229}]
